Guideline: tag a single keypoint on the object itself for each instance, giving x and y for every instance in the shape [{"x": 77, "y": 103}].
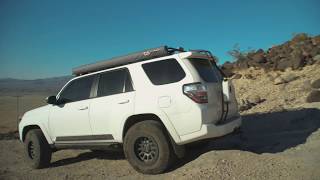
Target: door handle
[
  {"x": 124, "y": 102},
  {"x": 84, "y": 108}
]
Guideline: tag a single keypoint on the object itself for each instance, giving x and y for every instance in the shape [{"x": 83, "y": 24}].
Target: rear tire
[
  {"x": 147, "y": 147},
  {"x": 37, "y": 150}
]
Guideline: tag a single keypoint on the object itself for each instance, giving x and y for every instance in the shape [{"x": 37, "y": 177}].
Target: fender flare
[
  {"x": 164, "y": 120},
  {"x": 40, "y": 126}
]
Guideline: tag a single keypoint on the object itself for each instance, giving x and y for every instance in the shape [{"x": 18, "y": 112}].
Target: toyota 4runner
[{"x": 151, "y": 103}]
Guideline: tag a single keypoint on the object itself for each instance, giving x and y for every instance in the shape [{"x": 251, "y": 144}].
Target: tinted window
[
  {"x": 114, "y": 82},
  {"x": 217, "y": 70},
  {"x": 76, "y": 90},
  {"x": 164, "y": 72},
  {"x": 206, "y": 70}
]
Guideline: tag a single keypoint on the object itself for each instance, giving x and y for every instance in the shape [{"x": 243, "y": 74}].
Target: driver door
[{"x": 69, "y": 120}]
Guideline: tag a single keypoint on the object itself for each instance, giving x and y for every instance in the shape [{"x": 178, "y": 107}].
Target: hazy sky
[{"x": 48, "y": 38}]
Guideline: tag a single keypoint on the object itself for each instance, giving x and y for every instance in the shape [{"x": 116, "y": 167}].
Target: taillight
[{"x": 197, "y": 92}]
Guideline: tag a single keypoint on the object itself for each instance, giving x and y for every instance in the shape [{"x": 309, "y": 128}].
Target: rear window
[
  {"x": 207, "y": 71},
  {"x": 164, "y": 71}
]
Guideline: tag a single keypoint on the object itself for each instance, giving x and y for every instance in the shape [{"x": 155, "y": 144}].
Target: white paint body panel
[
  {"x": 70, "y": 119},
  {"x": 185, "y": 120},
  {"x": 107, "y": 113}
]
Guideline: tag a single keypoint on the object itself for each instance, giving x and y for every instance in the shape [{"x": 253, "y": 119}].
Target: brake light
[{"x": 197, "y": 92}]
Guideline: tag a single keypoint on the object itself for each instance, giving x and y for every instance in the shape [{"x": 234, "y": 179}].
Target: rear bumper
[{"x": 212, "y": 131}]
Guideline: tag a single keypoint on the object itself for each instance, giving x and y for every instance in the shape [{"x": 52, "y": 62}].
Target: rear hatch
[
  {"x": 219, "y": 107},
  {"x": 212, "y": 79}
]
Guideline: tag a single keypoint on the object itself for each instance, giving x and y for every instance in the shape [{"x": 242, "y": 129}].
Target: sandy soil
[
  {"x": 282, "y": 145},
  {"x": 280, "y": 139}
]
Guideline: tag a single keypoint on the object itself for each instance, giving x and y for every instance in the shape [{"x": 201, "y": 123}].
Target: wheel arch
[
  {"x": 27, "y": 128},
  {"x": 133, "y": 119}
]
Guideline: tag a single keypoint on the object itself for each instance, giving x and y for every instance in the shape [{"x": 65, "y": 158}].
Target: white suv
[{"x": 151, "y": 102}]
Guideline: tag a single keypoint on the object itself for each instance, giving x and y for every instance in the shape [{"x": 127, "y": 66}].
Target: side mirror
[{"x": 51, "y": 100}]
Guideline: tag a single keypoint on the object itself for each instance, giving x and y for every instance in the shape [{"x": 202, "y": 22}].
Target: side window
[
  {"x": 77, "y": 90},
  {"x": 164, "y": 72},
  {"x": 114, "y": 82}
]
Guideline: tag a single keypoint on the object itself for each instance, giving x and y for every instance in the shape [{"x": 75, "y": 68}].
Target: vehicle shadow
[
  {"x": 110, "y": 155},
  {"x": 272, "y": 132}
]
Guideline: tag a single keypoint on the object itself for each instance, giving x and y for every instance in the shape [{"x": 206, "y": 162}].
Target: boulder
[
  {"x": 278, "y": 80},
  {"x": 259, "y": 58},
  {"x": 289, "y": 77},
  {"x": 249, "y": 76},
  {"x": 254, "y": 99},
  {"x": 236, "y": 76},
  {"x": 309, "y": 61},
  {"x": 228, "y": 72},
  {"x": 227, "y": 65},
  {"x": 297, "y": 63},
  {"x": 245, "y": 105},
  {"x": 316, "y": 84},
  {"x": 283, "y": 64},
  {"x": 243, "y": 65},
  {"x": 314, "y": 96},
  {"x": 297, "y": 59},
  {"x": 306, "y": 86},
  {"x": 316, "y": 58},
  {"x": 315, "y": 51}
]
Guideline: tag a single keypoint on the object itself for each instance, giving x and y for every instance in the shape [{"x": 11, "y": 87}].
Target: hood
[{"x": 38, "y": 111}]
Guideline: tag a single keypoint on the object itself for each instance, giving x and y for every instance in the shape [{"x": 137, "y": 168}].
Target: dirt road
[{"x": 278, "y": 145}]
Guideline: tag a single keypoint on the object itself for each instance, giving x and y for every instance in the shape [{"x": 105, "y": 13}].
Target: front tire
[
  {"x": 147, "y": 147},
  {"x": 37, "y": 150}
]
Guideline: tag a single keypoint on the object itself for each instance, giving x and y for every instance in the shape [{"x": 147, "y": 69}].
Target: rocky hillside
[
  {"x": 260, "y": 91},
  {"x": 300, "y": 51},
  {"x": 283, "y": 77}
]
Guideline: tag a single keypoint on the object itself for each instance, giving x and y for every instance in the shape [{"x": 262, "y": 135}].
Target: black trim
[
  {"x": 91, "y": 145},
  {"x": 94, "y": 88},
  {"x": 85, "y": 138}
]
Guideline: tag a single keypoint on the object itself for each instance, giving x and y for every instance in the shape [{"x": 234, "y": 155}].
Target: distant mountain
[{"x": 10, "y": 86}]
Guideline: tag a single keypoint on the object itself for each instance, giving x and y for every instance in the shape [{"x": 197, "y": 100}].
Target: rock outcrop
[{"x": 301, "y": 51}]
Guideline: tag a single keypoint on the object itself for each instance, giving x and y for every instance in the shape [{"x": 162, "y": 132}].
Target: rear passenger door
[{"x": 114, "y": 102}]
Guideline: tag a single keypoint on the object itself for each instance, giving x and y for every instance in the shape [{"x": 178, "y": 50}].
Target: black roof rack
[{"x": 205, "y": 52}]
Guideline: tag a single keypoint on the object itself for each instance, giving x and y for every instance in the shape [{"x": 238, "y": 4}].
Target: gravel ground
[{"x": 278, "y": 145}]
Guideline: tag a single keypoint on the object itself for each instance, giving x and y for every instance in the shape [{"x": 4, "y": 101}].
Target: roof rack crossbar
[{"x": 206, "y": 52}]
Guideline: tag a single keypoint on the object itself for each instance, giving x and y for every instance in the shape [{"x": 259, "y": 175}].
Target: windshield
[{"x": 208, "y": 71}]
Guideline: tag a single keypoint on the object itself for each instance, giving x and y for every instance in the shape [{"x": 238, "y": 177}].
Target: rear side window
[
  {"x": 164, "y": 72},
  {"x": 114, "y": 82},
  {"x": 77, "y": 90},
  {"x": 206, "y": 70}
]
